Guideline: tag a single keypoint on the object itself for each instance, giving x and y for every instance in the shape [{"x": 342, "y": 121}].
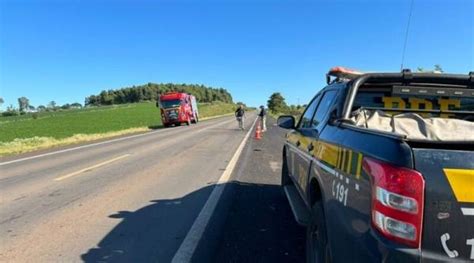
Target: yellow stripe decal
[
  {"x": 341, "y": 150},
  {"x": 338, "y": 157},
  {"x": 328, "y": 153},
  {"x": 359, "y": 165},
  {"x": 346, "y": 160},
  {"x": 304, "y": 142},
  {"x": 343, "y": 158},
  {"x": 462, "y": 183},
  {"x": 349, "y": 163}
]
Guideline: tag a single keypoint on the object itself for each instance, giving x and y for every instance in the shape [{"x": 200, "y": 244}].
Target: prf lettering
[{"x": 417, "y": 103}]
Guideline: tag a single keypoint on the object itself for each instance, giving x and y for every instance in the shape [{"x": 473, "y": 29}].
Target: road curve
[{"x": 59, "y": 207}]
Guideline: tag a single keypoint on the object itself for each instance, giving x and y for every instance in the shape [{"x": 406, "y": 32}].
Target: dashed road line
[
  {"x": 90, "y": 168},
  {"x": 90, "y": 145},
  {"x": 81, "y": 147}
]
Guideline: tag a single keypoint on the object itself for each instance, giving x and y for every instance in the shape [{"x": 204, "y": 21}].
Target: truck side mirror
[{"x": 286, "y": 122}]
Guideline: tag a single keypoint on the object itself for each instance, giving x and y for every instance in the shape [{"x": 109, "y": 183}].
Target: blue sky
[{"x": 66, "y": 50}]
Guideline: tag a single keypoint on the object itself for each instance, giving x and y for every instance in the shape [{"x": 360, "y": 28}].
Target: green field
[
  {"x": 24, "y": 133},
  {"x": 92, "y": 120}
]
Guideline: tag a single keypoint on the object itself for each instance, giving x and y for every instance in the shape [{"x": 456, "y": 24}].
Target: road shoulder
[{"x": 253, "y": 221}]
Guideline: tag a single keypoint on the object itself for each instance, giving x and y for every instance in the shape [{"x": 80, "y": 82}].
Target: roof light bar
[{"x": 342, "y": 73}]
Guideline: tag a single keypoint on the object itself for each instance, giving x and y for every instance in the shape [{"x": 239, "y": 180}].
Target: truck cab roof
[{"x": 173, "y": 96}]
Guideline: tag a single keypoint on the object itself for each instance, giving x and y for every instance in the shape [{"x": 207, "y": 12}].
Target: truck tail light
[{"x": 397, "y": 201}]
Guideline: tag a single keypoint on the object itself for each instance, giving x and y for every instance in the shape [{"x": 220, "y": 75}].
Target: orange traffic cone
[{"x": 258, "y": 132}]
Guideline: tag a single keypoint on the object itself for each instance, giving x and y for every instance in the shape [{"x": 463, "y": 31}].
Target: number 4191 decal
[{"x": 340, "y": 192}]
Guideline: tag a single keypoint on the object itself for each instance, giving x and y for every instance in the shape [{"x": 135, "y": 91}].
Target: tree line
[
  {"x": 152, "y": 91},
  {"x": 277, "y": 105},
  {"x": 147, "y": 92}
]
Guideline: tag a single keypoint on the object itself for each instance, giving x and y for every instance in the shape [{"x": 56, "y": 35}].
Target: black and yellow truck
[{"x": 380, "y": 168}]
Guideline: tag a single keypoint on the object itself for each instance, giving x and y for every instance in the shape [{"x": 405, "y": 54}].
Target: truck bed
[{"x": 413, "y": 126}]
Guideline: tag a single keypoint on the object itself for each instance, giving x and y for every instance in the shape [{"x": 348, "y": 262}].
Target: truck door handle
[
  {"x": 310, "y": 147},
  {"x": 298, "y": 143}
]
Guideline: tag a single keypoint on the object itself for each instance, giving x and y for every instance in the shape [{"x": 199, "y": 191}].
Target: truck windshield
[{"x": 170, "y": 103}]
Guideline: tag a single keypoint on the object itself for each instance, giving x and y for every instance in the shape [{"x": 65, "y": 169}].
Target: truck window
[
  {"x": 305, "y": 121},
  {"x": 324, "y": 107},
  {"x": 170, "y": 103}
]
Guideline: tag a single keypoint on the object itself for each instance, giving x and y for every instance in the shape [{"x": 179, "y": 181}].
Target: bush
[
  {"x": 34, "y": 115},
  {"x": 9, "y": 113}
]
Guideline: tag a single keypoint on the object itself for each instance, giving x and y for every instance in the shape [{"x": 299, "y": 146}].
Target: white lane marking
[
  {"x": 90, "y": 167},
  {"x": 467, "y": 211},
  {"x": 82, "y": 147},
  {"x": 88, "y": 145},
  {"x": 190, "y": 242}
]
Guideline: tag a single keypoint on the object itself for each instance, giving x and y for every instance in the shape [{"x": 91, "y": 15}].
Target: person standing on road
[
  {"x": 240, "y": 115},
  {"x": 262, "y": 115}
]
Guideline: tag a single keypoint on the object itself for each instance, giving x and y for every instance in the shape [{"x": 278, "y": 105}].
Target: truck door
[
  {"x": 334, "y": 167},
  {"x": 309, "y": 135},
  {"x": 299, "y": 141}
]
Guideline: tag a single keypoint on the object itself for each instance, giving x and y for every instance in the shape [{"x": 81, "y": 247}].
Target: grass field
[{"x": 23, "y": 133}]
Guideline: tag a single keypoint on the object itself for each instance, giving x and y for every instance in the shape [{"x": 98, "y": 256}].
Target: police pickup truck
[{"x": 380, "y": 168}]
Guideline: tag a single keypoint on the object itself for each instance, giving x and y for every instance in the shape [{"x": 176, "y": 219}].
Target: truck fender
[{"x": 315, "y": 187}]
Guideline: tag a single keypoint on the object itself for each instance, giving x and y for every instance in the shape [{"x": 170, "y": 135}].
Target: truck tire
[
  {"x": 188, "y": 121},
  {"x": 317, "y": 249}
]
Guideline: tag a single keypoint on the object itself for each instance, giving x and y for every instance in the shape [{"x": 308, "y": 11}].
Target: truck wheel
[
  {"x": 317, "y": 250},
  {"x": 188, "y": 121}
]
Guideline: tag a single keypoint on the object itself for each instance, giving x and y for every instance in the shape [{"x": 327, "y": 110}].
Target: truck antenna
[{"x": 406, "y": 35}]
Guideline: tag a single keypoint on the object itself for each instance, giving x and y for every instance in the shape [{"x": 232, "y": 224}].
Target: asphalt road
[
  {"x": 146, "y": 198},
  {"x": 259, "y": 224}
]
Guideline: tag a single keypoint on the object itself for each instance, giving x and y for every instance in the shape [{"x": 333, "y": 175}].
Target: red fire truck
[{"x": 177, "y": 108}]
